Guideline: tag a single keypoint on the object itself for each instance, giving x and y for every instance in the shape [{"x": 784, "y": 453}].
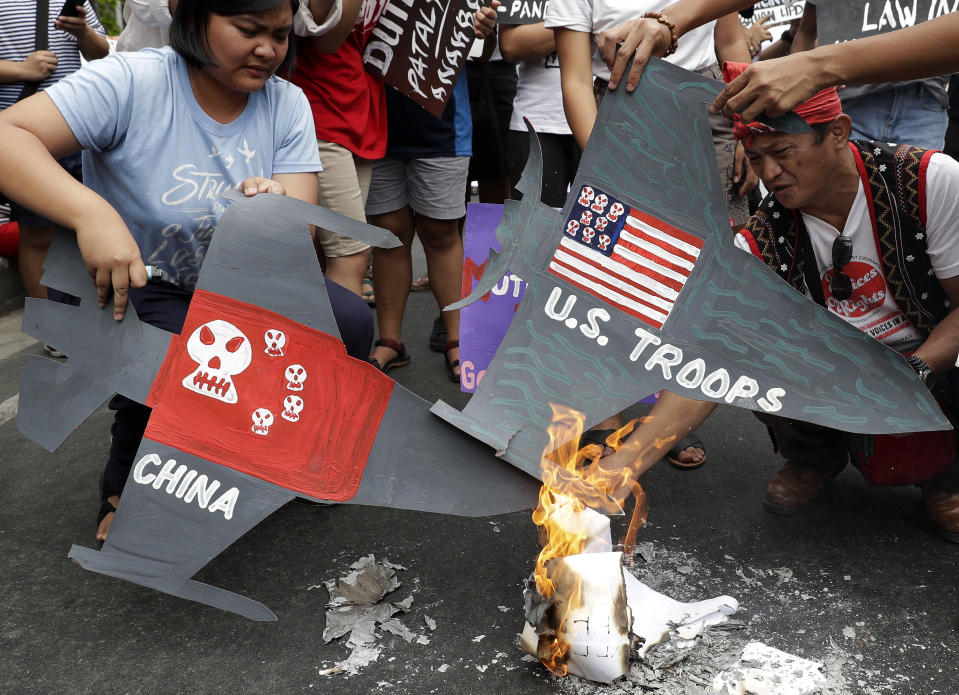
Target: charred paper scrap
[
  {"x": 357, "y": 607},
  {"x": 763, "y": 670}
]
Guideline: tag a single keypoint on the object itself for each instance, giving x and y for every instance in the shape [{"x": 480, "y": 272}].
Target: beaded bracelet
[{"x": 664, "y": 20}]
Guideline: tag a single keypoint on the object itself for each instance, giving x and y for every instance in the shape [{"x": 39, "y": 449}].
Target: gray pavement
[{"x": 858, "y": 580}]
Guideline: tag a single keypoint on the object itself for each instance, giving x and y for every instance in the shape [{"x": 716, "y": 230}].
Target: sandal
[
  {"x": 366, "y": 289},
  {"x": 401, "y": 359},
  {"x": 421, "y": 283},
  {"x": 597, "y": 437},
  {"x": 673, "y": 454},
  {"x": 451, "y": 365}
]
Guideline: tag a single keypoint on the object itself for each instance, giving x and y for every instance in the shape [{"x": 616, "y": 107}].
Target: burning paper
[
  {"x": 588, "y": 614},
  {"x": 593, "y": 631},
  {"x": 581, "y": 608}
]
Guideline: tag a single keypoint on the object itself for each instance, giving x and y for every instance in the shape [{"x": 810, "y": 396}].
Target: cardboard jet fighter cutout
[
  {"x": 255, "y": 402},
  {"x": 636, "y": 286}
]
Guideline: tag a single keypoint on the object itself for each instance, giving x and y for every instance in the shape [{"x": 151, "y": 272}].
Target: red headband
[{"x": 823, "y": 107}]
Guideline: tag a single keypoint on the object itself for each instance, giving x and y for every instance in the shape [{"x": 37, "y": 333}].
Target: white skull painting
[
  {"x": 600, "y": 203},
  {"x": 262, "y": 419},
  {"x": 615, "y": 210},
  {"x": 586, "y": 196},
  {"x": 275, "y": 340},
  {"x": 295, "y": 376},
  {"x": 586, "y": 217},
  {"x": 292, "y": 406},
  {"x": 221, "y": 351}
]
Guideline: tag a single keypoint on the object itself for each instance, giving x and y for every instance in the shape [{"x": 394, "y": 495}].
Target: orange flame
[{"x": 573, "y": 479}]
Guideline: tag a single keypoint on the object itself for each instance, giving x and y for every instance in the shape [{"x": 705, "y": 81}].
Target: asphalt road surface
[{"x": 858, "y": 580}]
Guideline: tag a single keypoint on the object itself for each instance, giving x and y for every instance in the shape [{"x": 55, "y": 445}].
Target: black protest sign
[
  {"x": 420, "y": 46},
  {"x": 777, "y": 12},
  {"x": 854, "y": 19},
  {"x": 521, "y": 11}
]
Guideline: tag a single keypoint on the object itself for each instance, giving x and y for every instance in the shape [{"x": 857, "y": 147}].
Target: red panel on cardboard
[{"x": 257, "y": 392}]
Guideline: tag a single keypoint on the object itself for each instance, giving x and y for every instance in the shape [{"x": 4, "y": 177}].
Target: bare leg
[
  {"x": 392, "y": 273},
  {"x": 348, "y": 270},
  {"x": 104, "y": 528},
  {"x": 34, "y": 242},
  {"x": 444, "y": 263}
]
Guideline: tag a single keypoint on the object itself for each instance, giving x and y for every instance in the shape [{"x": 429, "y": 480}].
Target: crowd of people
[{"x": 271, "y": 96}]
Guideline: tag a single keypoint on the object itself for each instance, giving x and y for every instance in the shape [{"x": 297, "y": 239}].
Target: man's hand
[
  {"x": 484, "y": 20},
  {"x": 771, "y": 86},
  {"x": 112, "y": 259},
  {"x": 38, "y": 66},
  {"x": 637, "y": 39},
  {"x": 756, "y": 34},
  {"x": 257, "y": 184},
  {"x": 74, "y": 25}
]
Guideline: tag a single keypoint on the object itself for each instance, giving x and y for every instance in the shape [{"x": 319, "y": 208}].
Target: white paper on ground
[
  {"x": 655, "y": 614},
  {"x": 764, "y": 670}
]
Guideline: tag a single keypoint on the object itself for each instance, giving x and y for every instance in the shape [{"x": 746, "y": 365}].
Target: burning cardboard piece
[
  {"x": 763, "y": 670},
  {"x": 613, "y": 605}
]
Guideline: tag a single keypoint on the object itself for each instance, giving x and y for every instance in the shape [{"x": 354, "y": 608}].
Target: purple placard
[{"x": 484, "y": 323}]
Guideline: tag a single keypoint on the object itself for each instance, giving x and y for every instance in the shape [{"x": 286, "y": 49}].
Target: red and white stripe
[{"x": 649, "y": 265}]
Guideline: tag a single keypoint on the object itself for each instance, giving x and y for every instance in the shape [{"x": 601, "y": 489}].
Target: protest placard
[
  {"x": 855, "y": 19},
  {"x": 420, "y": 46}
]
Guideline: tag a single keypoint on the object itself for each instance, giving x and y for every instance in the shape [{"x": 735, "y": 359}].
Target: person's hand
[
  {"x": 74, "y": 25},
  {"x": 112, "y": 259},
  {"x": 744, "y": 178},
  {"x": 484, "y": 20},
  {"x": 637, "y": 39},
  {"x": 38, "y": 66},
  {"x": 257, "y": 184},
  {"x": 756, "y": 34},
  {"x": 770, "y": 86}
]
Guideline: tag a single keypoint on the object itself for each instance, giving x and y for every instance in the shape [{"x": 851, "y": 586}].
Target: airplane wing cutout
[
  {"x": 254, "y": 403},
  {"x": 636, "y": 286}
]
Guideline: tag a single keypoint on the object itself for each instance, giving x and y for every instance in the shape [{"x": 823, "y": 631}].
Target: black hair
[
  {"x": 820, "y": 131},
  {"x": 188, "y": 28}
]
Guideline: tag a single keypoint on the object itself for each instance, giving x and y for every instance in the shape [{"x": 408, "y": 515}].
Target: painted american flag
[{"x": 625, "y": 257}]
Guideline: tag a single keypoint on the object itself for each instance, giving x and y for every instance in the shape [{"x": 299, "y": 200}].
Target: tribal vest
[{"x": 894, "y": 181}]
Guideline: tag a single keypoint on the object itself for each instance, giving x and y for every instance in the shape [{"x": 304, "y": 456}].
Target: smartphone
[{"x": 69, "y": 8}]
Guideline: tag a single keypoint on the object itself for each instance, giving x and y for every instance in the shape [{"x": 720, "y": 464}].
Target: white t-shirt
[
  {"x": 153, "y": 153},
  {"x": 539, "y": 97},
  {"x": 872, "y": 308},
  {"x": 695, "y": 51}
]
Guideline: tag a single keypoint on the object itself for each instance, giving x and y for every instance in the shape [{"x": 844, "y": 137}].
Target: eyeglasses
[{"x": 840, "y": 285}]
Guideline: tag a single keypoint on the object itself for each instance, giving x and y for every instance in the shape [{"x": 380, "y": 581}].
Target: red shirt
[{"x": 349, "y": 104}]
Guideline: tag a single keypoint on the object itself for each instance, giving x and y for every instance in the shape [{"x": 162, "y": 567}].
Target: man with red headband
[{"x": 867, "y": 230}]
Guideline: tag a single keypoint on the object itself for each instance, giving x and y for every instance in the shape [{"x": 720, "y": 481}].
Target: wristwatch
[{"x": 926, "y": 375}]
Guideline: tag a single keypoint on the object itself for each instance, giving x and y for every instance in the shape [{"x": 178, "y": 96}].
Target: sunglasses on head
[{"x": 841, "y": 284}]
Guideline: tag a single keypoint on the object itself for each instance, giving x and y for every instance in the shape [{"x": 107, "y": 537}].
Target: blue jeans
[{"x": 907, "y": 115}]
